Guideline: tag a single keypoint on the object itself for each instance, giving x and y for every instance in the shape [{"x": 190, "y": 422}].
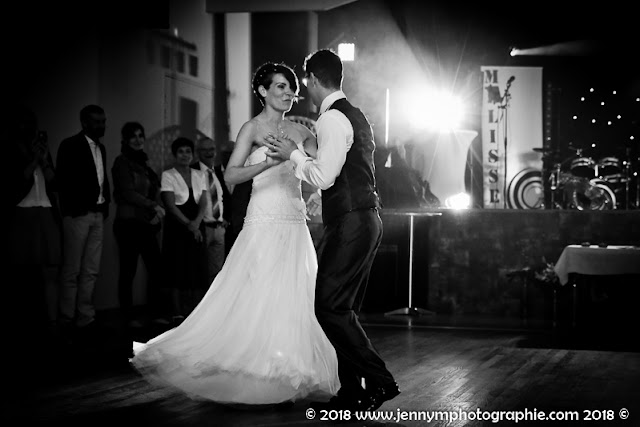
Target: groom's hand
[
  {"x": 280, "y": 146},
  {"x": 314, "y": 204}
]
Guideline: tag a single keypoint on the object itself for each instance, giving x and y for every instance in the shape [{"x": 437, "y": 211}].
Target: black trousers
[
  {"x": 345, "y": 255},
  {"x": 137, "y": 239}
]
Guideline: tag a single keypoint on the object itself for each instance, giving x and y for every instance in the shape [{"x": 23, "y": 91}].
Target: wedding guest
[
  {"x": 184, "y": 194},
  {"x": 35, "y": 225},
  {"x": 214, "y": 218},
  {"x": 139, "y": 214},
  {"x": 84, "y": 199},
  {"x": 235, "y": 204}
]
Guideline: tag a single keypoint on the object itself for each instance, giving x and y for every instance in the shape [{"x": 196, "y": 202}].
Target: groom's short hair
[{"x": 326, "y": 65}]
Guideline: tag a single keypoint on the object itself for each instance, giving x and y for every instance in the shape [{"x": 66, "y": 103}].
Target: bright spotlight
[
  {"x": 347, "y": 51},
  {"x": 434, "y": 109},
  {"x": 458, "y": 201}
]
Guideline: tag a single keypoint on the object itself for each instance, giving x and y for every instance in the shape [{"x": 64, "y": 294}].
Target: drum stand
[
  {"x": 627, "y": 183},
  {"x": 554, "y": 181}
]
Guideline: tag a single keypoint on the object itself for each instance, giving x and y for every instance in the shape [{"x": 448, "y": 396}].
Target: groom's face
[{"x": 311, "y": 82}]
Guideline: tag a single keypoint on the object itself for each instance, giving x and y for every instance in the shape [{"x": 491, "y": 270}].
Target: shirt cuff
[{"x": 298, "y": 157}]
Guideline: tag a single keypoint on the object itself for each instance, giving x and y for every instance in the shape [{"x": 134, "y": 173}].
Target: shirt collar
[
  {"x": 204, "y": 167},
  {"x": 90, "y": 141},
  {"x": 330, "y": 99}
]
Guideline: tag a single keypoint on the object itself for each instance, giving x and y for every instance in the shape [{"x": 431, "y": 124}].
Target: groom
[{"x": 344, "y": 171}]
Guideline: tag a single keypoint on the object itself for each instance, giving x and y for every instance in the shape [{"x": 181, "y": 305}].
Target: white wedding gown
[{"x": 254, "y": 337}]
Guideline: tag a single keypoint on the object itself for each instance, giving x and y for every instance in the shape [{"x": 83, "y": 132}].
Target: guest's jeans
[
  {"x": 137, "y": 239},
  {"x": 82, "y": 252}
]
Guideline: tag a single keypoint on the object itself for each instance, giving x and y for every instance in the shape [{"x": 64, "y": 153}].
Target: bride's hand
[
  {"x": 280, "y": 146},
  {"x": 272, "y": 158}
]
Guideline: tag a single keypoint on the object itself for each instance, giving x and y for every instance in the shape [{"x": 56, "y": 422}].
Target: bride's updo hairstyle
[{"x": 264, "y": 77}]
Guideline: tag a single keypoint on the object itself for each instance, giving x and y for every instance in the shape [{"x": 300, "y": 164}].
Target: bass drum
[{"x": 595, "y": 196}]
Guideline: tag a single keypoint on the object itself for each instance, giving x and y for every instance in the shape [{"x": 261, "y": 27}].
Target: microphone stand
[{"x": 505, "y": 106}]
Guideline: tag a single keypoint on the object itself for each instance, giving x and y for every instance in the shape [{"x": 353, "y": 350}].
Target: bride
[{"x": 254, "y": 337}]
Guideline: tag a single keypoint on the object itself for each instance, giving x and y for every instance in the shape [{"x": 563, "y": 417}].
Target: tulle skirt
[{"x": 254, "y": 337}]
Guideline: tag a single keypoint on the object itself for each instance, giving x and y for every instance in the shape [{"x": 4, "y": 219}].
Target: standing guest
[
  {"x": 235, "y": 203},
  {"x": 184, "y": 194},
  {"x": 139, "y": 214},
  {"x": 35, "y": 225},
  {"x": 214, "y": 218},
  {"x": 84, "y": 199}
]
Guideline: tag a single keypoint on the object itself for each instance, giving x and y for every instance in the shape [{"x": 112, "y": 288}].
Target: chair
[{"x": 306, "y": 121}]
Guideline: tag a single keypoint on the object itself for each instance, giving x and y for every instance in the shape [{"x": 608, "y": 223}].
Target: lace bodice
[{"x": 276, "y": 195}]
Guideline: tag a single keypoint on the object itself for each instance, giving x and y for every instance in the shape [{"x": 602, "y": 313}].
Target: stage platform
[{"x": 462, "y": 259}]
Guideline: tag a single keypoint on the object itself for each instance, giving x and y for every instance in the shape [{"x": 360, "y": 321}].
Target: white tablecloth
[{"x": 594, "y": 260}]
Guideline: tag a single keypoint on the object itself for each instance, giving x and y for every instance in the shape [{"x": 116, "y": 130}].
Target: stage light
[
  {"x": 347, "y": 51},
  {"x": 458, "y": 201},
  {"x": 432, "y": 109}
]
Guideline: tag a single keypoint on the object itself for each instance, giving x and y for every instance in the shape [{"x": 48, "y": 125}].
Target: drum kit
[{"x": 582, "y": 183}]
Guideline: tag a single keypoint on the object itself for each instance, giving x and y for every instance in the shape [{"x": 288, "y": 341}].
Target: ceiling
[{"x": 234, "y": 6}]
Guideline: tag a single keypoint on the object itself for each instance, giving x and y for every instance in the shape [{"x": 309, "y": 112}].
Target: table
[
  {"x": 594, "y": 260},
  {"x": 410, "y": 309},
  {"x": 598, "y": 261}
]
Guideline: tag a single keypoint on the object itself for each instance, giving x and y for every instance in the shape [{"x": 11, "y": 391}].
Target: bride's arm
[{"x": 236, "y": 172}]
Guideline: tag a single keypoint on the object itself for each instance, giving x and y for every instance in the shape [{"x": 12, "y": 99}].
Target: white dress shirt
[
  {"x": 335, "y": 137},
  {"x": 97, "y": 159},
  {"x": 208, "y": 216},
  {"x": 38, "y": 194},
  {"x": 173, "y": 182}
]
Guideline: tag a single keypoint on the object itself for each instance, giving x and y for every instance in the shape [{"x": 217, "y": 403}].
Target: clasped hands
[
  {"x": 279, "y": 147},
  {"x": 194, "y": 228}
]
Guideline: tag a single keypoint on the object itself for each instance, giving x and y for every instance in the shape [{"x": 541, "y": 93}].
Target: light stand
[{"x": 505, "y": 107}]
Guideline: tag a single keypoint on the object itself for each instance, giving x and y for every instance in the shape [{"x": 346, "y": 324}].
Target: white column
[{"x": 239, "y": 72}]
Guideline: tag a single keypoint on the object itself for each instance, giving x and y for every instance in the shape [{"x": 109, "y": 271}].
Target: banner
[{"x": 511, "y": 129}]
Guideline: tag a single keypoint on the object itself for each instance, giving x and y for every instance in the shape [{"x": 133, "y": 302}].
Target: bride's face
[{"x": 279, "y": 95}]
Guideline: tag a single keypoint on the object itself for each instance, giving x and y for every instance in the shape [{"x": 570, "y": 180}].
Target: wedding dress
[{"x": 254, "y": 337}]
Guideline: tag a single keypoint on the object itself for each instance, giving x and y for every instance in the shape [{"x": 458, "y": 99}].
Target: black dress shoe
[
  {"x": 380, "y": 394},
  {"x": 341, "y": 402},
  {"x": 284, "y": 406}
]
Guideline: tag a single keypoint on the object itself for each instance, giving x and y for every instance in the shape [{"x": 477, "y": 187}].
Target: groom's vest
[{"x": 355, "y": 186}]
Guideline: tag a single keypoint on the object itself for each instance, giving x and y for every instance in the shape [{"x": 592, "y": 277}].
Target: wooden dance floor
[{"x": 440, "y": 371}]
